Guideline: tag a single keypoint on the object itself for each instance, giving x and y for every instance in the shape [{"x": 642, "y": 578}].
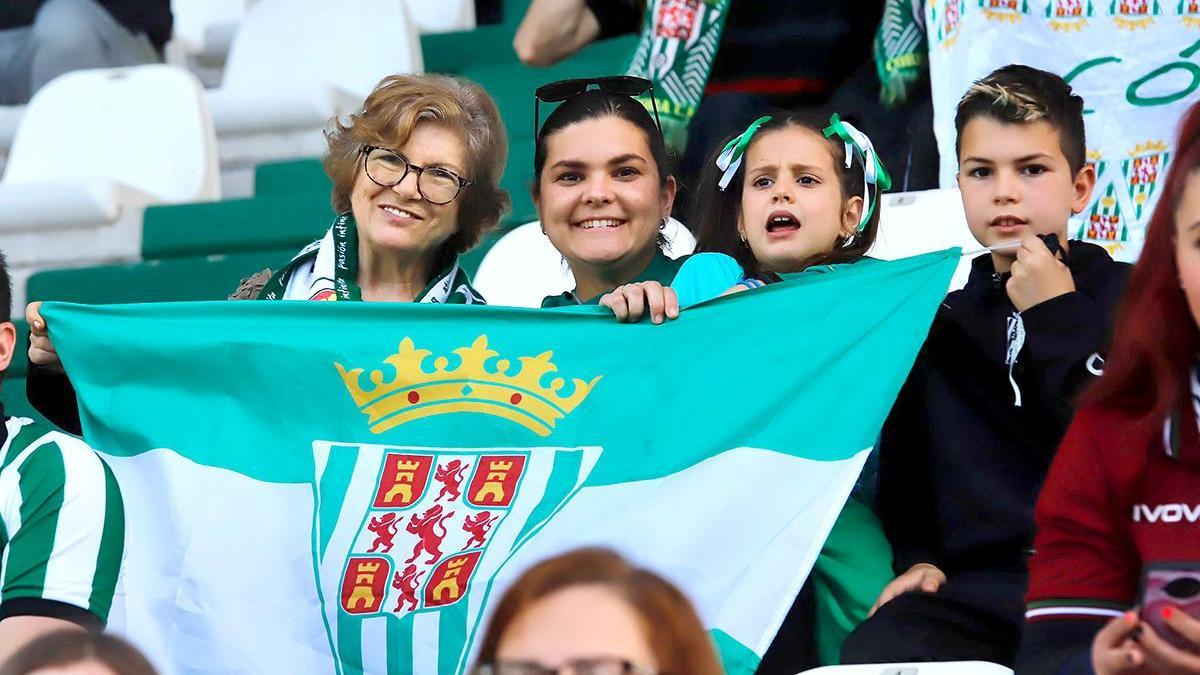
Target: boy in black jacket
[{"x": 970, "y": 438}]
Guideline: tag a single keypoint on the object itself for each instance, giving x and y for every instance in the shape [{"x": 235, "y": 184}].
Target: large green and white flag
[{"x": 345, "y": 487}]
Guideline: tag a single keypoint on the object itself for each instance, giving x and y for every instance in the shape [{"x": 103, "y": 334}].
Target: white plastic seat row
[
  {"x": 295, "y": 64},
  {"x": 94, "y": 148}
]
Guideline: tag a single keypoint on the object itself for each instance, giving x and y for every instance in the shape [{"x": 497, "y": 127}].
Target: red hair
[
  {"x": 674, "y": 632},
  {"x": 1155, "y": 338}
]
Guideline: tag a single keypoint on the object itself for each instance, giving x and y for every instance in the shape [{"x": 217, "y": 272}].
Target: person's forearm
[
  {"x": 18, "y": 631},
  {"x": 552, "y": 30}
]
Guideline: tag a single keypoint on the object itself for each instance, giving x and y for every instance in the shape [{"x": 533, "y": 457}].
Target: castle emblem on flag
[
  {"x": 1069, "y": 15},
  {"x": 1189, "y": 13},
  {"x": 418, "y": 546},
  {"x": 480, "y": 382},
  {"x": 1004, "y": 10},
  {"x": 1146, "y": 164},
  {"x": 1103, "y": 221},
  {"x": 1134, "y": 14},
  {"x": 947, "y": 16}
]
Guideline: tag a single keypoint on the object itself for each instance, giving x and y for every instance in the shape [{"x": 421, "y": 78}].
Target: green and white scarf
[
  {"x": 901, "y": 50},
  {"x": 327, "y": 269},
  {"x": 676, "y": 51}
]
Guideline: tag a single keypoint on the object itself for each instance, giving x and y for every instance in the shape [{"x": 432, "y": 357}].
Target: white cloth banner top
[{"x": 1136, "y": 63}]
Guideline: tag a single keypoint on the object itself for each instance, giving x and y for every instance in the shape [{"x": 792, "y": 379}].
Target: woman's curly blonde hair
[{"x": 389, "y": 115}]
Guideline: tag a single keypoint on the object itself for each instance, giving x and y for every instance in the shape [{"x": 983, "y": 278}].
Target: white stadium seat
[
  {"x": 542, "y": 269},
  {"x": 204, "y": 28},
  {"x": 296, "y": 64},
  {"x": 920, "y": 222},
  {"x": 10, "y": 119},
  {"x": 946, "y": 668},
  {"x": 442, "y": 16},
  {"x": 95, "y": 148}
]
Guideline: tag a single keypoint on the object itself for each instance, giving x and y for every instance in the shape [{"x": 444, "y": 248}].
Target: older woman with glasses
[{"x": 415, "y": 183}]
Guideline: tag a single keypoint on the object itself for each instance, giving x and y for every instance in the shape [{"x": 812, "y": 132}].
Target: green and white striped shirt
[{"x": 62, "y": 526}]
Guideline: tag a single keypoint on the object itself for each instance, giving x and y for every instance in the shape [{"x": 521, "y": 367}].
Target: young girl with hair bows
[{"x": 791, "y": 194}]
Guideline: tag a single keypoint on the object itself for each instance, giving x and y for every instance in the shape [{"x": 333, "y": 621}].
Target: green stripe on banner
[
  {"x": 112, "y": 543},
  {"x": 339, "y": 469},
  {"x": 562, "y": 480},
  {"x": 559, "y": 488},
  {"x": 452, "y": 636},
  {"x": 400, "y": 645},
  {"x": 735, "y": 656},
  {"x": 42, "y": 483},
  {"x": 349, "y": 643}
]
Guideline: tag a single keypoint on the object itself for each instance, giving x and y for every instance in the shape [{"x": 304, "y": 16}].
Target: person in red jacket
[{"x": 1124, "y": 490}]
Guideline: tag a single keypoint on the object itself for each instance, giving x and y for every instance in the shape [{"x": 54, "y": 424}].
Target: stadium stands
[{"x": 268, "y": 114}]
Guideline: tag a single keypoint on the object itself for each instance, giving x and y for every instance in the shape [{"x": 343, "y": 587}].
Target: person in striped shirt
[{"x": 62, "y": 523}]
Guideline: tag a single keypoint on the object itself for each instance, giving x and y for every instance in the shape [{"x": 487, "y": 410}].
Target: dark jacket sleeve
[
  {"x": 906, "y": 495},
  {"x": 1084, "y": 555},
  {"x": 1066, "y": 339},
  {"x": 51, "y": 393},
  {"x": 617, "y": 17},
  {"x": 1057, "y": 647}
]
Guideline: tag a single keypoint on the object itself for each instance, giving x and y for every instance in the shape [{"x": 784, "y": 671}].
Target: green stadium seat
[
  {"x": 211, "y": 277},
  {"x": 274, "y": 221},
  {"x": 304, "y": 176}
]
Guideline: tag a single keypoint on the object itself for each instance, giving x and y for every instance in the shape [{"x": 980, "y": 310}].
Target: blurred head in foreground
[{"x": 589, "y": 611}]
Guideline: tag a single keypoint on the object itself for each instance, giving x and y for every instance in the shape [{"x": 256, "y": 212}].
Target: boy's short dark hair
[{"x": 1018, "y": 94}]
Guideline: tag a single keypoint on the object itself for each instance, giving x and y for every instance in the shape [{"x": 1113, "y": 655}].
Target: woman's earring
[
  {"x": 849, "y": 241},
  {"x": 663, "y": 225}
]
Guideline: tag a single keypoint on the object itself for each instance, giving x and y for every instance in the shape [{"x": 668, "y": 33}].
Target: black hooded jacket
[{"x": 961, "y": 463}]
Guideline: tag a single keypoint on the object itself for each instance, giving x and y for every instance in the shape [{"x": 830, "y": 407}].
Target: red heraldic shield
[
  {"x": 495, "y": 480},
  {"x": 449, "y": 580},
  {"x": 404, "y": 480},
  {"x": 364, "y": 585}
]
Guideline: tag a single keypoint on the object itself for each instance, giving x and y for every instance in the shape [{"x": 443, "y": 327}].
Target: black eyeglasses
[
  {"x": 600, "y": 666},
  {"x": 622, "y": 85},
  {"x": 386, "y": 168}
]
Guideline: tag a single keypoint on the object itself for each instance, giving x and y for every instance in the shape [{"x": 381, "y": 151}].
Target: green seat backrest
[
  {"x": 211, "y": 277},
  {"x": 235, "y": 225},
  {"x": 283, "y": 178}
]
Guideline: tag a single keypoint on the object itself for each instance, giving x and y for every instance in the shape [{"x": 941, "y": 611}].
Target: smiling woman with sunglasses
[
  {"x": 602, "y": 186},
  {"x": 415, "y": 182}
]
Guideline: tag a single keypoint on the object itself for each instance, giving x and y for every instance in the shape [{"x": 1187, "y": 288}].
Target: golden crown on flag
[
  {"x": 415, "y": 393},
  {"x": 1148, "y": 147}
]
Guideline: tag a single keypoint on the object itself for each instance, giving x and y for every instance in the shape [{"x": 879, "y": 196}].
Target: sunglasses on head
[{"x": 621, "y": 85}]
